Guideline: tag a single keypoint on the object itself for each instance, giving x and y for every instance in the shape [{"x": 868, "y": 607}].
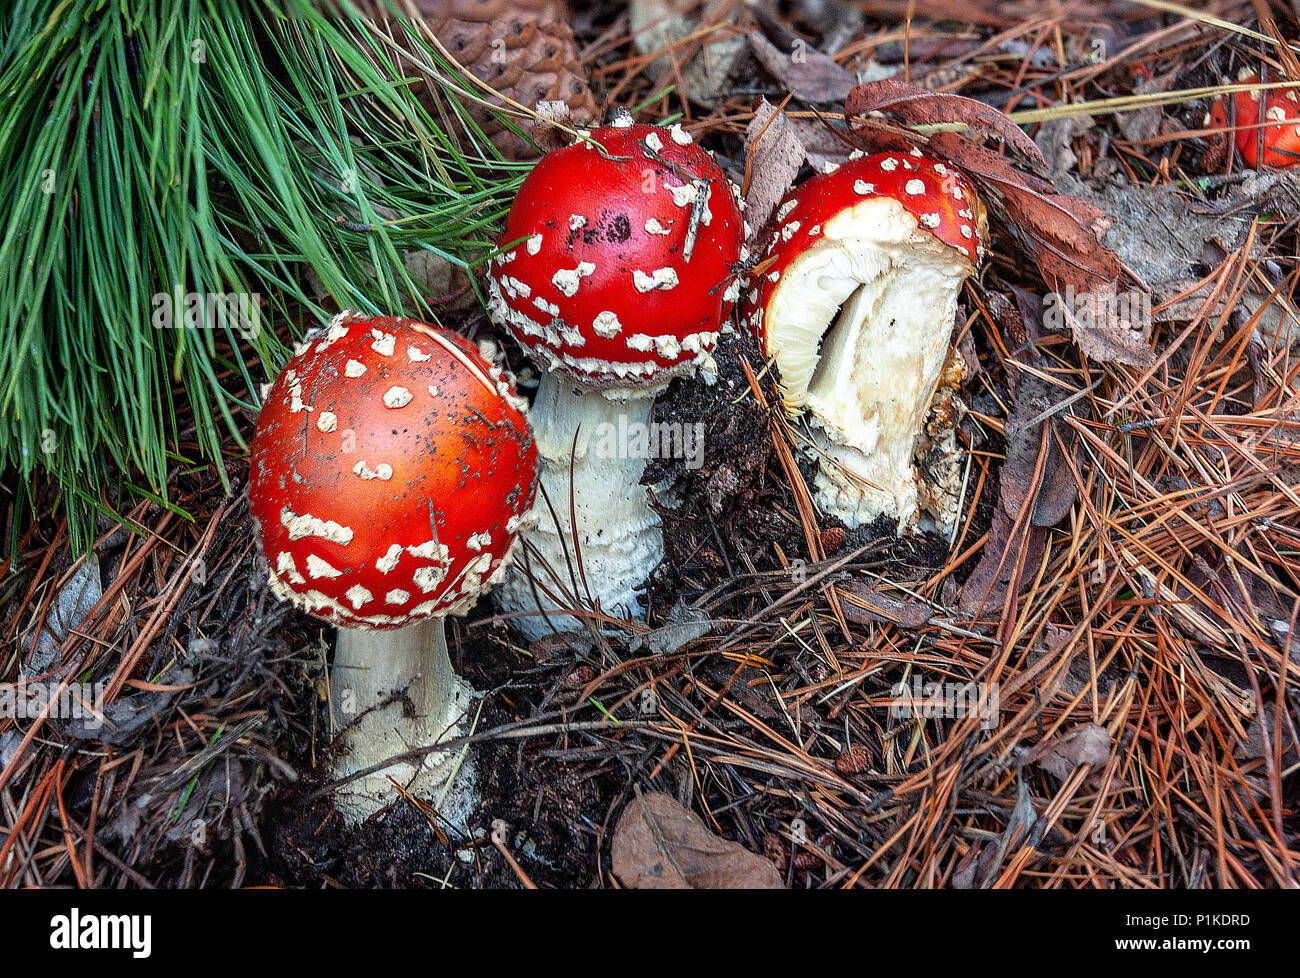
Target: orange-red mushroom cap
[
  {"x": 621, "y": 265},
  {"x": 392, "y": 469},
  {"x": 1280, "y": 115},
  {"x": 934, "y": 195}
]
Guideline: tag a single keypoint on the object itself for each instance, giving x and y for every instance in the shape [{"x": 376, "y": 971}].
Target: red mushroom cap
[
  {"x": 623, "y": 276},
  {"x": 1281, "y": 138},
  {"x": 934, "y": 196},
  {"x": 391, "y": 470}
]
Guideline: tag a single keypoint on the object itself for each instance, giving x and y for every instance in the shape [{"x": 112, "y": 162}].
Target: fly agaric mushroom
[
  {"x": 1280, "y": 115},
  {"x": 855, "y": 300},
  {"x": 392, "y": 468},
  {"x": 620, "y": 278}
]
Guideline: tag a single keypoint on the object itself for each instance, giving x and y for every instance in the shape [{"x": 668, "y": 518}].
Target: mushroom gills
[{"x": 883, "y": 313}]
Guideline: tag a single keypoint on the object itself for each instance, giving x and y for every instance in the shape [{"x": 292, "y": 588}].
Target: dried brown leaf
[
  {"x": 805, "y": 71},
  {"x": 1085, "y": 744},
  {"x": 775, "y": 155},
  {"x": 924, "y": 108},
  {"x": 659, "y": 845}
]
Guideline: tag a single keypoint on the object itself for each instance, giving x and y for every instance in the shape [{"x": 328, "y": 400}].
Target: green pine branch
[{"x": 157, "y": 151}]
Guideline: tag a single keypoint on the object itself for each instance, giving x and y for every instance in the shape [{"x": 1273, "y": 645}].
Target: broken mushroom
[
  {"x": 1279, "y": 115},
  {"x": 392, "y": 469},
  {"x": 618, "y": 278},
  {"x": 855, "y": 300}
]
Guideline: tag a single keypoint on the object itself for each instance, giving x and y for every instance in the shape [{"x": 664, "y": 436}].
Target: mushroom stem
[
  {"x": 393, "y": 691},
  {"x": 613, "y": 528}
]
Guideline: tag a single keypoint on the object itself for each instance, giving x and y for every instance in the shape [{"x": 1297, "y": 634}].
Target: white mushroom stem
[
  {"x": 613, "y": 541},
  {"x": 393, "y": 691},
  {"x": 881, "y": 296}
]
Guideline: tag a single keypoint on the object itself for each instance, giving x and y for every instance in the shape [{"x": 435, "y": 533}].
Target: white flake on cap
[
  {"x": 577, "y": 222},
  {"x": 385, "y": 343},
  {"x": 685, "y": 195},
  {"x": 388, "y": 561},
  {"x": 321, "y": 568},
  {"x": 661, "y": 278},
  {"x": 862, "y": 187},
  {"x": 652, "y": 226},
  {"x": 654, "y": 142},
  {"x": 889, "y": 164},
  {"x": 930, "y": 220},
  {"x": 477, "y": 541},
  {"x": 284, "y": 565},
  {"x": 397, "y": 397},
  {"x": 354, "y": 369},
  {"x": 306, "y": 525},
  {"x": 784, "y": 211},
  {"x": 327, "y": 421},
  {"x": 915, "y": 187},
  {"x": 397, "y": 596},
  {"x": 534, "y": 244},
  {"x": 679, "y": 135},
  {"x": 416, "y": 355},
  {"x": 428, "y": 578},
  {"x": 358, "y": 596},
  {"x": 383, "y": 471},
  {"x": 606, "y": 324},
  {"x": 566, "y": 280}
]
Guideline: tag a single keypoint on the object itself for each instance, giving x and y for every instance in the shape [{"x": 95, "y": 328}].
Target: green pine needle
[{"x": 157, "y": 150}]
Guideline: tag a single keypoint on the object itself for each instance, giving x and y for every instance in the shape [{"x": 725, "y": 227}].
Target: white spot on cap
[
  {"x": 388, "y": 561},
  {"x": 306, "y": 525},
  {"x": 358, "y": 596},
  {"x": 661, "y": 278},
  {"x": 534, "y": 244},
  {"x": 784, "y": 211},
  {"x": 930, "y": 220},
  {"x": 382, "y": 471},
  {"x": 679, "y": 135},
  {"x": 384, "y": 343},
  {"x": 915, "y": 187},
  {"x": 353, "y": 368},
  {"x": 889, "y": 164},
  {"x": 654, "y": 142},
  {"x": 416, "y": 355},
  {"x": 684, "y": 196},
  {"x": 327, "y": 422},
  {"x": 321, "y": 568},
  {"x": 566, "y": 280},
  {"x": 577, "y": 221},
  {"x": 285, "y": 567},
  {"x": 428, "y": 578},
  {"x": 965, "y": 231},
  {"x": 478, "y": 541},
  {"x": 397, "y": 397},
  {"x": 606, "y": 324},
  {"x": 397, "y": 596},
  {"x": 652, "y": 226},
  {"x": 862, "y": 187}
]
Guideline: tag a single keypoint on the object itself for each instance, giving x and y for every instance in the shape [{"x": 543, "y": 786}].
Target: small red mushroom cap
[
  {"x": 392, "y": 468},
  {"x": 620, "y": 269},
  {"x": 938, "y": 200},
  {"x": 1280, "y": 116}
]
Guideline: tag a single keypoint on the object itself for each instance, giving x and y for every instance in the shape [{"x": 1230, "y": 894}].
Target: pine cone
[{"x": 521, "y": 48}]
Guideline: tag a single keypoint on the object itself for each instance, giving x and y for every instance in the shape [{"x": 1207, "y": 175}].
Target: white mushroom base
[
  {"x": 407, "y": 670},
  {"x": 883, "y": 294},
  {"x": 612, "y": 527}
]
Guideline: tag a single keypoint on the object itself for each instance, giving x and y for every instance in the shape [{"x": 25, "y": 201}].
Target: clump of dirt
[{"x": 553, "y": 810}]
